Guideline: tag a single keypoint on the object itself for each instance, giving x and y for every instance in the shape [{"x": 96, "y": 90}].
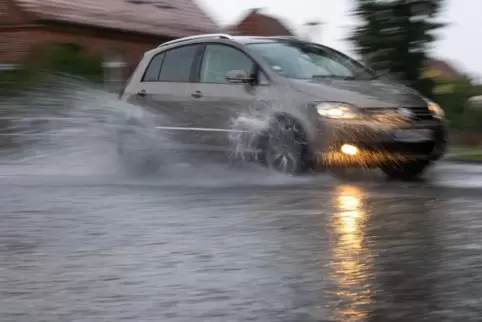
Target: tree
[{"x": 394, "y": 36}]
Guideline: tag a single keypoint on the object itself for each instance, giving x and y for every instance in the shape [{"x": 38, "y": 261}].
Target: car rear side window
[
  {"x": 218, "y": 60},
  {"x": 154, "y": 69},
  {"x": 177, "y": 64}
]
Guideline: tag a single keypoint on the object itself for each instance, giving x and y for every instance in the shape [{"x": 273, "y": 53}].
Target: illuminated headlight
[
  {"x": 349, "y": 149},
  {"x": 436, "y": 110},
  {"x": 336, "y": 111}
]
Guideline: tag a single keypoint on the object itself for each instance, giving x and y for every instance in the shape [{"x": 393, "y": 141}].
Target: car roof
[{"x": 243, "y": 40}]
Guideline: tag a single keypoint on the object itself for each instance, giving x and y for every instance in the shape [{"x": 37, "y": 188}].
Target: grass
[
  {"x": 474, "y": 157},
  {"x": 466, "y": 152}
]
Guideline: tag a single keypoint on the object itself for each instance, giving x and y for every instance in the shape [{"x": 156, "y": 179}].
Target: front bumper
[{"x": 375, "y": 143}]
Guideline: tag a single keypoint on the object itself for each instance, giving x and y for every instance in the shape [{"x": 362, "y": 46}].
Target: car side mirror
[{"x": 238, "y": 77}]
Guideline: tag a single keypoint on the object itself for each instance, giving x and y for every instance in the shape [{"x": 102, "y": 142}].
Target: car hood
[{"x": 362, "y": 93}]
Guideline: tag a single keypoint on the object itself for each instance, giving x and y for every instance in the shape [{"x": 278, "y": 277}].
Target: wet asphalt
[
  {"x": 79, "y": 241},
  {"x": 216, "y": 244}
]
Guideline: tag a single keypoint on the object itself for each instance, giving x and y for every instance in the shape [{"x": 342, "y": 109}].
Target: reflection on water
[
  {"x": 409, "y": 259},
  {"x": 385, "y": 262},
  {"x": 352, "y": 262}
]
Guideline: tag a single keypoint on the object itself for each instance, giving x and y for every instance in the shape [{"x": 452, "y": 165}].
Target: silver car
[{"x": 289, "y": 104}]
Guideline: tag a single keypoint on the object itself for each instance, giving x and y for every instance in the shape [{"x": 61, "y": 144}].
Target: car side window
[
  {"x": 154, "y": 69},
  {"x": 177, "y": 63},
  {"x": 219, "y": 59}
]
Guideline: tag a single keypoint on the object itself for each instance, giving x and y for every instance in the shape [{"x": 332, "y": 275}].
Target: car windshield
[{"x": 309, "y": 61}]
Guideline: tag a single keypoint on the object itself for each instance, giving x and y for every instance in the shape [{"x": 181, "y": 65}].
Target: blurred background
[{"x": 431, "y": 45}]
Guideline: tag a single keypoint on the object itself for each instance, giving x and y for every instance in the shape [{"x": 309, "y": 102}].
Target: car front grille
[{"x": 421, "y": 113}]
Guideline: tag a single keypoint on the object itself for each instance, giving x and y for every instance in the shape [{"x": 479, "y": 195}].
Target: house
[
  {"x": 444, "y": 74},
  {"x": 118, "y": 29},
  {"x": 441, "y": 69},
  {"x": 255, "y": 23}
]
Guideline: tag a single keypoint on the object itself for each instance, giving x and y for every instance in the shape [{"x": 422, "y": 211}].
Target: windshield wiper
[
  {"x": 379, "y": 75},
  {"x": 332, "y": 76}
]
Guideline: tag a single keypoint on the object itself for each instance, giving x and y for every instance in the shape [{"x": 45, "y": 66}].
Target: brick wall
[
  {"x": 16, "y": 44},
  {"x": 20, "y": 35},
  {"x": 10, "y": 14}
]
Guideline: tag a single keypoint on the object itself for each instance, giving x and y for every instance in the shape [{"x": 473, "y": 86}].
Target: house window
[{"x": 114, "y": 70}]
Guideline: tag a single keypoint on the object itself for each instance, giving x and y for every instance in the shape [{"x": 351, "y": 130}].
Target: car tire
[
  {"x": 405, "y": 171},
  {"x": 284, "y": 147},
  {"x": 137, "y": 150}
]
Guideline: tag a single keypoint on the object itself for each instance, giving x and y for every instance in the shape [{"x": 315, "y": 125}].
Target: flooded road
[
  {"x": 81, "y": 242},
  {"x": 237, "y": 245}
]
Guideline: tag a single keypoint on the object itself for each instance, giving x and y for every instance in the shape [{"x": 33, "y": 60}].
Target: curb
[{"x": 458, "y": 159}]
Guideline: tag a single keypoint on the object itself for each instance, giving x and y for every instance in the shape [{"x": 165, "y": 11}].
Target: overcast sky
[{"x": 460, "y": 42}]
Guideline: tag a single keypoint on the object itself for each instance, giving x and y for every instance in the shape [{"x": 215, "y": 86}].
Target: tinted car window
[
  {"x": 152, "y": 72},
  {"x": 218, "y": 60},
  {"x": 177, "y": 64}
]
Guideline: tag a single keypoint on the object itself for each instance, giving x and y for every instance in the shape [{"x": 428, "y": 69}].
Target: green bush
[
  {"x": 70, "y": 59},
  {"x": 455, "y": 101},
  {"x": 15, "y": 81},
  {"x": 53, "y": 58}
]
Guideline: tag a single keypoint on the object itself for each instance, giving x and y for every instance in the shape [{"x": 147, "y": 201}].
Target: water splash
[
  {"x": 66, "y": 127},
  {"x": 253, "y": 125},
  {"x": 249, "y": 128}
]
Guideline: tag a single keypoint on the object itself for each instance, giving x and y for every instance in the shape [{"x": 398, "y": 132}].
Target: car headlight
[
  {"x": 436, "y": 110},
  {"x": 335, "y": 110}
]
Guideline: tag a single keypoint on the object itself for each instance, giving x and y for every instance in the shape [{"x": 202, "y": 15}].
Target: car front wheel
[
  {"x": 406, "y": 171},
  {"x": 284, "y": 148}
]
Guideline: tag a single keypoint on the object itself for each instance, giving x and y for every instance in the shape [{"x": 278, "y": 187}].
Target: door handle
[
  {"x": 197, "y": 94},
  {"x": 142, "y": 93}
]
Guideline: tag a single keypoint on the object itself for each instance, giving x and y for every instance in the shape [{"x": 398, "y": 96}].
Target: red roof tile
[
  {"x": 445, "y": 68},
  {"x": 174, "y": 18},
  {"x": 257, "y": 24}
]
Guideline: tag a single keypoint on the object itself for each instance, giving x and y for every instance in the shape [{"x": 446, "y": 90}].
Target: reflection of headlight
[
  {"x": 436, "y": 110},
  {"x": 336, "y": 110}
]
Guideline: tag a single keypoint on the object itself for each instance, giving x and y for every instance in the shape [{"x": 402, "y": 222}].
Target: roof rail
[
  {"x": 225, "y": 36},
  {"x": 285, "y": 37}
]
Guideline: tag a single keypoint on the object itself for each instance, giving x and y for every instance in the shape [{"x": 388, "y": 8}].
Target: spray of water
[
  {"x": 65, "y": 127},
  {"x": 251, "y": 125},
  {"x": 244, "y": 140}
]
